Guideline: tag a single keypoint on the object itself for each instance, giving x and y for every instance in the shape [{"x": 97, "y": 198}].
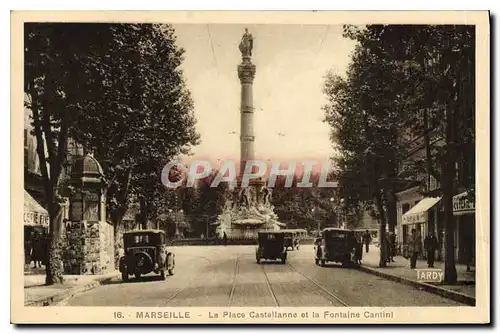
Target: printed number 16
[{"x": 117, "y": 315}]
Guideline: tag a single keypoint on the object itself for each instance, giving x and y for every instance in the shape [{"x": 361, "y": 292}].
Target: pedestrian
[
  {"x": 44, "y": 249},
  {"x": 27, "y": 252},
  {"x": 224, "y": 238},
  {"x": 367, "y": 238},
  {"x": 468, "y": 256},
  {"x": 430, "y": 246},
  {"x": 38, "y": 251},
  {"x": 388, "y": 247},
  {"x": 394, "y": 246},
  {"x": 414, "y": 247},
  {"x": 359, "y": 248}
]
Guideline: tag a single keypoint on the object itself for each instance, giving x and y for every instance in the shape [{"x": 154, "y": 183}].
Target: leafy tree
[
  {"x": 139, "y": 114},
  {"x": 364, "y": 112},
  {"x": 404, "y": 82},
  {"x": 118, "y": 91},
  {"x": 51, "y": 86},
  {"x": 444, "y": 90},
  {"x": 308, "y": 208}
]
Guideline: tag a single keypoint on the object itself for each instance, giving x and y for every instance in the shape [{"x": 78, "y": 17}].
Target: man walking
[
  {"x": 389, "y": 247},
  {"x": 224, "y": 238},
  {"x": 392, "y": 239},
  {"x": 367, "y": 238},
  {"x": 430, "y": 246},
  {"x": 415, "y": 247}
]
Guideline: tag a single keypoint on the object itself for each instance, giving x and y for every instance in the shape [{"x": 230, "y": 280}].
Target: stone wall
[
  {"x": 89, "y": 248},
  {"x": 107, "y": 246}
]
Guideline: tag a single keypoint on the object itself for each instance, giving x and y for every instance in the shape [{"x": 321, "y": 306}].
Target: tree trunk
[
  {"x": 144, "y": 214},
  {"x": 392, "y": 211},
  {"x": 450, "y": 272},
  {"x": 117, "y": 219},
  {"x": 54, "y": 268},
  {"x": 380, "y": 208}
]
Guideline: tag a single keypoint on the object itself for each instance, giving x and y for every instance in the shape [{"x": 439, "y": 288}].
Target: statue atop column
[{"x": 246, "y": 44}]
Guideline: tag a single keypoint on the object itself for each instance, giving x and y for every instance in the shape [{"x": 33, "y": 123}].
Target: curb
[
  {"x": 58, "y": 297},
  {"x": 453, "y": 295},
  {"x": 37, "y": 284}
]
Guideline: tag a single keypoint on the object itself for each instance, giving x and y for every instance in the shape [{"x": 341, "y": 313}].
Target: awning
[
  {"x": 34, "y": 213},
  {"x": 462, "y": 205},
  {"x": 418, "y": 214}
]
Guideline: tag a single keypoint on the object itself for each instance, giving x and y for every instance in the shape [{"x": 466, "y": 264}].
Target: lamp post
[
  {"x": 341, "y": 203},
  {"x": 319, "y": 224},
  {"x": 331, "y": 202}
]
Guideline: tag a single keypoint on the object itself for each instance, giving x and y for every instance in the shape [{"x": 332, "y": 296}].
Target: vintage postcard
[{"x": 250, "y": 167}]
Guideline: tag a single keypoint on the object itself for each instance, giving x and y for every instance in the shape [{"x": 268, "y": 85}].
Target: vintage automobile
[
  {"x": 271, "y": 246},
  {"x": 145, "y": 252},
  {"x": 291, "y": 240},
  {"x": 335, "y": 245}
]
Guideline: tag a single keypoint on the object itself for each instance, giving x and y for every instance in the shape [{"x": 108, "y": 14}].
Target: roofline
[
  {"x": 145, "y": 231},
  {"x": 336, "y": 229}
]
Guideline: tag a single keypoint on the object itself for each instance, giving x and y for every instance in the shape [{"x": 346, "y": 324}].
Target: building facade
[{"x": 424, "y": 213}]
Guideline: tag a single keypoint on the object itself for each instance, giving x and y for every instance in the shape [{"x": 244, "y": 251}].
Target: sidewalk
[
  {"x": 36, "y": 293},
  {"x": 465, "y": 289}
]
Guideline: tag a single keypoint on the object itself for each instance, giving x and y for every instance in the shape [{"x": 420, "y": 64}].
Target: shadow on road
[
  {"x": 338, "y": 265},
  {"x": 135, "y": 280},
  {"x": 269, "y": 262}
]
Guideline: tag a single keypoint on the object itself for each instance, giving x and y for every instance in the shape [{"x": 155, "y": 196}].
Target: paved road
[{"x": 229, "y": 276}]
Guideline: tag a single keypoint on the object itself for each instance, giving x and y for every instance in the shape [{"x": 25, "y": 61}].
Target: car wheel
[
  {"x": 162, "y": 274},
  {"x": 138, "y": 275},
  {"x": 323, "y": 263},
  {"x": 124, "y": 277}
]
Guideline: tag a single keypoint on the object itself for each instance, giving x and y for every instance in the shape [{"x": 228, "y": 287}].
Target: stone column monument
[
  {"x": 250, "y": 209},
  {"x": 246, "y": 74}
]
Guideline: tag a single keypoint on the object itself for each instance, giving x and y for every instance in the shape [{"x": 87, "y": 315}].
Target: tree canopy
[{"x": 118, "y": 91}]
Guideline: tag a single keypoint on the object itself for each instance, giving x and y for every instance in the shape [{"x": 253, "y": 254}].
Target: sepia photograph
[{"x": 196, "y": 169}]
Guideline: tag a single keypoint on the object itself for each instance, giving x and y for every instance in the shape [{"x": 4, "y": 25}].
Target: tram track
[
  {"x": 178, "y": 291},
  {"x": 269, "y": 287},
  {"x": 320, "y": 287},
  {"x": 235, "y": 277}
]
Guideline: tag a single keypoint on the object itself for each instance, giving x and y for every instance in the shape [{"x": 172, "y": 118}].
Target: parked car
[
  {"x": 271, "y": 246},
  {"x": 335, "y": 245},
  {"x": 146, "y": 252}
]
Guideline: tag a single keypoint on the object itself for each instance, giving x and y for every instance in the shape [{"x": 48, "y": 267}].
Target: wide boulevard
[{"x": 229, "y": 276}]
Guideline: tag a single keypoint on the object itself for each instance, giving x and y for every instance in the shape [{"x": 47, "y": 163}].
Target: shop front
[
  {"x": 36, "y": 224},
  {"x": 464, "y": 213},
  {"x": 420, "y": 217}
]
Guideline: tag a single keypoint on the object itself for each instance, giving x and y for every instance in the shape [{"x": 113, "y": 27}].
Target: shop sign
[
  {"x": 461, "y": 204},
  {"x": 35, "y": 218},
  {"x": 414, "y": 218}
]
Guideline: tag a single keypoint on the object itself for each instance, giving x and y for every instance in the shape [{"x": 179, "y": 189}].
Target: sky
[{"x": 291, "y": 62}]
